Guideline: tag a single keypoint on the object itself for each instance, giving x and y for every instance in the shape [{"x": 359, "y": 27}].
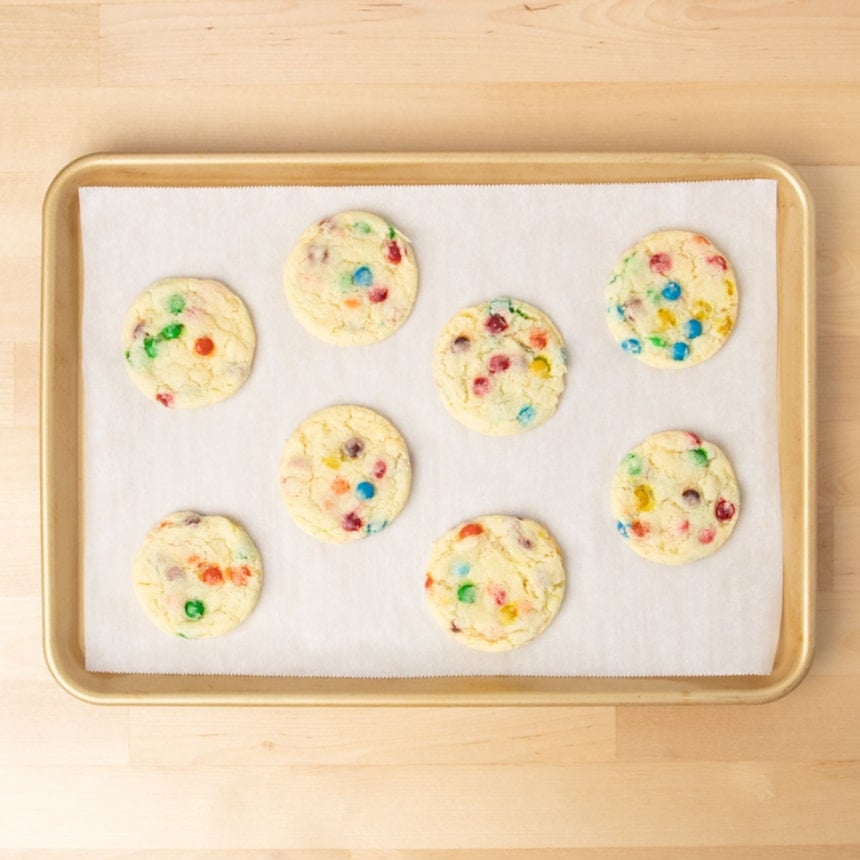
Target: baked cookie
[
  {"x": 197, "y": 576},
  {"x": 495, "y": 582},
  {"x": 345, "y": 473},
  {"x": 351, "y": 279},
  {"x": 499, "y": 367},
  {"x": 188, "y": 342},
  {"x": 672, "y": 299},
  {"x": 675, "y": 498}
]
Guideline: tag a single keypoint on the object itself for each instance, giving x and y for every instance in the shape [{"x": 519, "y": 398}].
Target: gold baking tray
[{"x": 62, "y": 425}]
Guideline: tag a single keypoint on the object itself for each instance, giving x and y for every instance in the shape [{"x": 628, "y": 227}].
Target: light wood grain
[{"x": 762, "y": 782}]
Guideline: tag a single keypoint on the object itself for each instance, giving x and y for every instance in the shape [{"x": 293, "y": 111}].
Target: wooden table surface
[{"x": 769, "y": 76}]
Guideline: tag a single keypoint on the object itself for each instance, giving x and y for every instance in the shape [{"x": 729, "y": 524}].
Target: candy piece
[
  {"x": 360, "y": 283},
  {"x": 239, "y": 575},
  {"x": 510, "y": 596},
  {"x": 165, "y": 398},
  {"x": 487, "y": 371},
  {"x": 682, "y": 504},
  {"x": 182, "y": 358},
  {"x": 354, "y": 502},
  {"x": 211, "y": 575},
  {"x": 194, "y": 609},
  {"x": 669, "y": 285}
]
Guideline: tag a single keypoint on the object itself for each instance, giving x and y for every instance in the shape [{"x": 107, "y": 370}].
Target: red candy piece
[
  {"x": 684, "y": 527},
  {"x": 480, "y": 385},
  {"x": 470, "y": 530},
  {"x": 239, "y": 575},
  {"x": 660, "y": 263},
  {"x": 203, "y": 345},
  {"x": 498, "y": 363},
  {"x": 428, "y": 581},
  {"x": 694, "y": 439},
  {"x": 717, "y": 260},
  {"x": 495, "y": 323},
  {"x": 498, "y": 594},
  {"x": 707, "y": 534},
  {"x": 165, "y": 398},
  {"x": 377, "y": 294},
  {"x": 212, "y": 575},
  {"x": 392, "y": 252},
  {"x": 639, "y": 528},
  {"x": 724, "y": 510},
  {"x": 351, "y": 522},
  {"x": 379, "y": 469},
  {"x": 538, "y": 339}
]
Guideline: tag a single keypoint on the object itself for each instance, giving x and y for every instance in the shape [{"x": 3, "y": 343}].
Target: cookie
[
  {"x": 495, "y": 582},
  {"x": 675, "y": 498},
  {"x": 672, "y": 299},
  {"x": 345, "y": 473},
  {"x": 351, "y": 279},
  {"x": 188, "y": 342},
  {"x": 499, "y": 367},
  {"x": 197, "y": 576}
]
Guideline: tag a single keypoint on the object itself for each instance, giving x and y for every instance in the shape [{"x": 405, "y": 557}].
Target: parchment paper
[{"x": 359, "y": 609}]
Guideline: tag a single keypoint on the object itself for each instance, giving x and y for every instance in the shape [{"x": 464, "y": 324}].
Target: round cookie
[
  {"x": 188, "y": 342},
  {"x": 345, "y": 473},
  {"x": 351, "y": 279},
  {"x": 672, "y": 299},
  {"x": 495, "y": 582},
  {"x": 499, "y": 367},
  {"x": 197, "y": 576},
  {"x": 675, "y": 498}
]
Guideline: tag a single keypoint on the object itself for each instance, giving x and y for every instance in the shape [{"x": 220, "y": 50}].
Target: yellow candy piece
[
  {"x": 724, "y": 326},
  {"x": 509, "y": 612},
  {"x": 730, "y": 287},
  {"x": 701, "y": 310},
  {"x": 331, "y": 462},
  {"x": 644, "y": 497},
  {"x": 667, "y": 319},
  {"x": 540, "y": 367}
]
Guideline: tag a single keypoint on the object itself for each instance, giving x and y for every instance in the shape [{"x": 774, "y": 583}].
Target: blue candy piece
[
  {"x": 622, "y": 529},
  {"x": 671, "y": 291},
  {"x": 461, "y": 568},
  {"x": 680, "y": 350},
  {"x": 362, "y": 276},
  {"x": 365, "y": 490},
  {"x": 693, "y": 328},
  {"x": 631, "y": 345},
  {"x": 525, "y": 415},
  {"x": 620, "y": 311}
]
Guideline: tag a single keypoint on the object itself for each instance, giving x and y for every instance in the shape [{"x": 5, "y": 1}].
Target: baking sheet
[{"x": 359, "y": 609}]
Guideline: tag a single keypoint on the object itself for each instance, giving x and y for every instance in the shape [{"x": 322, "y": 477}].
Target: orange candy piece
[{"x": 470, "y": 530}]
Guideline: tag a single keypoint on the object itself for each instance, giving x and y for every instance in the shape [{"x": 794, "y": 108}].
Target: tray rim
[{"x": 63, "y": 650}]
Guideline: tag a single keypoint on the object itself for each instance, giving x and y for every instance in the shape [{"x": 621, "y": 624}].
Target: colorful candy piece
[
  {"x": 186, "y": 577},
  {"x": 169, "y": 351},
  {"x": 678, "y": 299},
  {"x": 514, "y": 586},
  {"x": 351, "y": 279},
  {"x": 509, "y": 357},
  {"x": 682, "y": 502},
  {"x": 342, "y": 497}
]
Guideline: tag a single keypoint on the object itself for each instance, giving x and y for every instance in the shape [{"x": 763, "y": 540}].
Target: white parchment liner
[{"x": 359, "y": 609}]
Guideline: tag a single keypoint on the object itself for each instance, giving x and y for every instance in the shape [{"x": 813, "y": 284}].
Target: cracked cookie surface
[
  {"x": 197, "y": 576},
  {"x": 672, "y": 299},
  {"x": 351, "y": 279},
  {"x": 499, "y": 367},
  {"x": 345, "y": 473},
  {"x": 675, "y": 498},
  {"x": 495, "y": 582},
  {"x": 188, "y": 342}
]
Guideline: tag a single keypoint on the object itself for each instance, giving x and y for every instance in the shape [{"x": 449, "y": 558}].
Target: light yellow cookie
[
  {"x": 197, "y": 576},
  {"x": 188, "y": 342},
  {"x": 351, "y": 279},
  {"x": 672, "y": 299},
  {"x": 675, "y": 498},
  {"x": 499, "y": 367},
  {"x": 495, "y": 582},
  {"x": 345, "y": 473}
]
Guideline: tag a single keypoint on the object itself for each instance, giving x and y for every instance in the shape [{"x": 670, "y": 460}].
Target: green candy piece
[
  {"x": 518, "y": 312},
  {"x": 652, "y": 295},
  {"x": 176, "y": 304},
  {"x": 195, "y": 610},
  {"x": 657, "y": 340},
  {"x": 361, "y": 227},
  {"x": 467, "y": 593},
  {"x": 699, "y": 456},
  {"x": 634, "y": 463},
  {"x": 149, "y": 347},
  {"x": 392, "y": 233},
  {"x": 127, "y": 355},
  {"x": 171, "y": 332}
]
